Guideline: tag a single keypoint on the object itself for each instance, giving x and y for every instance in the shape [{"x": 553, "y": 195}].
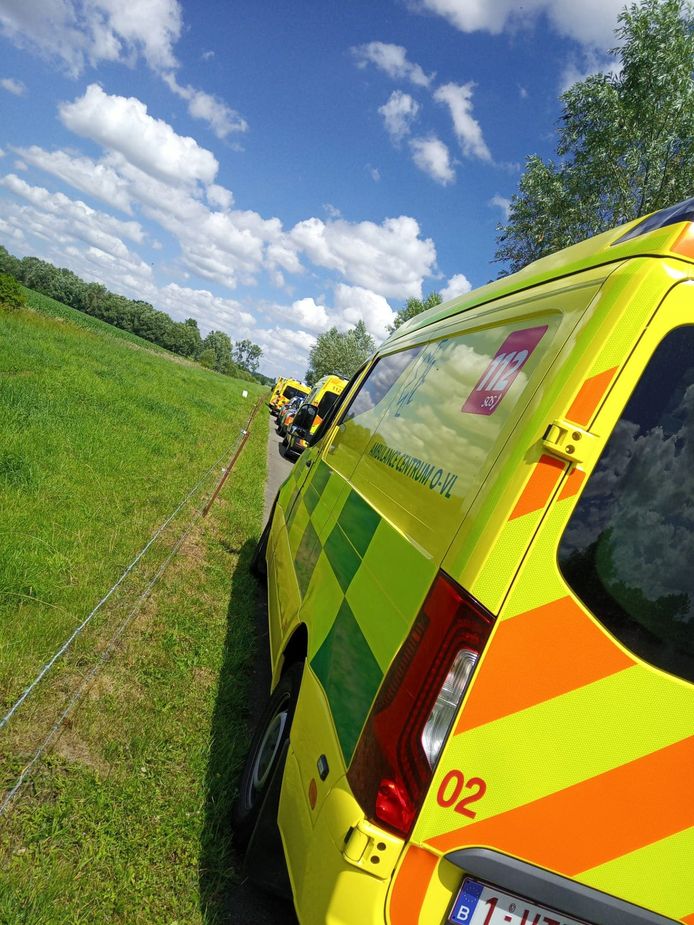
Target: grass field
[
  {"x": 47, "y": 306},
  {"x": 127, "y": 819}
]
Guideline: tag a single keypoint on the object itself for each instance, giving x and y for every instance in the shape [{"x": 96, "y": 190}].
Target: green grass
[
  {"x": 47, "y": 306},
  {"x": 98, "y": 442},
  {"x": 127, "y": 819}
]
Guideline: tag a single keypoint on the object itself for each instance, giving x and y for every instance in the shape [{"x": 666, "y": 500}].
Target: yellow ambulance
[
  {"x": 290, "y": 388},
  {"x": 275, "y": 390},
  {"x": 321, "y": 399},
  {"x": 481, "y": 609}
]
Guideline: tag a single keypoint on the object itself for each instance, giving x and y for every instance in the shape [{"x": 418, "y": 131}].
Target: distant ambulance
[
  {"x": 321, "y": 399},
  {"x": 290, "y": 388}
]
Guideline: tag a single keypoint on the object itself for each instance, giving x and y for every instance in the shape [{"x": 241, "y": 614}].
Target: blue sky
[{"x": 274, "y": 169}]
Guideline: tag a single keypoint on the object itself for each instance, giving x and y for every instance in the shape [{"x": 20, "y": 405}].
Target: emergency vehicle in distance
[
  {"x": 310, "y": 416},
  {"x": 481, "y": 610},
  {"x": 283, "y": 391}
]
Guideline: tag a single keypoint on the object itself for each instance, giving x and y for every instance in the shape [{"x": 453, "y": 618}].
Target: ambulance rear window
[
  {"x": 628, "y": 550},
  {"x": 291, "y": 392}
]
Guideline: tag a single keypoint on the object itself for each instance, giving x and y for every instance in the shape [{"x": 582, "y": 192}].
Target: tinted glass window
[
  {"x": 628, "y": 550},
  {"x": 291, "y": 392},
  {"x": 326, "y": 403},
  {"x": 380, "y": 380}
]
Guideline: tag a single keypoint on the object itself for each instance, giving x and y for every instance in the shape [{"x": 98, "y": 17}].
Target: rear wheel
[{"x": 266, "y": 752}]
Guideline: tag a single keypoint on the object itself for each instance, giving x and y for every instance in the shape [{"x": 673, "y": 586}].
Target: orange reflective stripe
[
  {"x": 411, "y": 885},
  {"x": 689, "y": 919},
  {"x": 572, "y": 484},
  {"x": 549, "y": 651},
  {"x": 540, "y": 486},
  {"x": 597, "y": 820},
  {"x": 589, "y": 395},
  {"x": 685, "y": 245}
]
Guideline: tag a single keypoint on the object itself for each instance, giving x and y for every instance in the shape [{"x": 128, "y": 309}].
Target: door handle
[{"x": 309, "y": 463}]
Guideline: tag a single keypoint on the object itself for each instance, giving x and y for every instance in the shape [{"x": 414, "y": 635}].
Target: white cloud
[
  {"x": 81, "y": 33},
  {"x": 590, "y": 22},
  {"x": 222, "y": 119},
  {"x": 16, "y": 87},
  {"x": 433, "y": 157},
  {"x": 89, "y": 224},
  {"x": 96, "y": 179},
  {"x": 393, "y": 60},
  {"x": 458, "y": 98},
  {"x": 207, "y": 55},
  {"x": 390, "y": 259},
  {"x": 374, "y": 173},
  {"x": 123, "y": 124},
  {"x": 219, "y": 196},
  {"x": 309, "y": 314},
  {"x": 211, "y": 311},
  {"x": 501, "y": 202},
  {"x": 457, "y": 285},
  {"x": 398, "y": 114},
  {"x": 355, "y": 304}
]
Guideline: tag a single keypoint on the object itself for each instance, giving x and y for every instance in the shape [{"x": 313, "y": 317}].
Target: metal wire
[
  {"x": 89, "y": 677},
  {"x": 87, "y": 620}
]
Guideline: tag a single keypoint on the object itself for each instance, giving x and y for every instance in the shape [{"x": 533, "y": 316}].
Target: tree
[
  {"x": 625, "y": 142},
  {"x": 11, "y": 293},
  {"x": 415, "y": 307},
  {"x": 247, "y": 355},
  {"x": 340, "y": 353},
  {"x": 221, "y": 344}
]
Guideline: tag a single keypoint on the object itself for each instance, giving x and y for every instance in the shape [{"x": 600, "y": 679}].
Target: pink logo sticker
[{"x": 499, "y": 376}]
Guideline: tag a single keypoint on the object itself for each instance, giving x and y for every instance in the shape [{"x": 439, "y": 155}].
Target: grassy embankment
[{"x": 98, "y": 442}]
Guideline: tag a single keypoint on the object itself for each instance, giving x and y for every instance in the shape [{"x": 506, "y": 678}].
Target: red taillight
[{"x": 391, "y": 770}]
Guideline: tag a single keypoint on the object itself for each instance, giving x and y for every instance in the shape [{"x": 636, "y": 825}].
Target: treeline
[{"x": 216, "y": 351}]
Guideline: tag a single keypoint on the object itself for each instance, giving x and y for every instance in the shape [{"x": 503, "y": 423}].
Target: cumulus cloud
[
  {"x": 433, "y": 157},
  {"x": 392, "y": 59},
  {"x": 501, "y": 202},
  {"x": 96, "y": 179},
  {"x": 355, "y": 304},
  {"x": 80, "y": 33},
  {"x": 309, "y": 314},
  {"x": 590, "y": 22},
  {"x": 458, "y": 98},
  {"x": 123, "y": 124},
  {"x": 222, "y": 119},
  {"x": 399, "y": 112},
  {"x": 13, "y": 86},
  {"x": 92, "y": 226},
  {"x": 390, "y": 259},
  {"x": 211, "y": 311},
  {"x": 219, "y": 196},
  {"x": 457, "y": 285}
]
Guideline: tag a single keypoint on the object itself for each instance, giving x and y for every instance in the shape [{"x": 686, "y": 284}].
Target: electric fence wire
[
  {"x": 26, "y": 693},
  {"x": 104, "y": 656}
]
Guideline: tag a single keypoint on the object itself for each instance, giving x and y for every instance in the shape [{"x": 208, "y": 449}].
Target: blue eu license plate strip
[{"x": 466, "y": 903}]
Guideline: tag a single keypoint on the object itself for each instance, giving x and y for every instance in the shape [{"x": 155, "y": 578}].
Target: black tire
[
  {"x": 285, "y": 442},
  {"x": 258, "y": 565},
  {"x": 265, "y": 753}
]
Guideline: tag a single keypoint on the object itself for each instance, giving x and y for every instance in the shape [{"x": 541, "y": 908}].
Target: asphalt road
[{"x": 246, "y": 904}]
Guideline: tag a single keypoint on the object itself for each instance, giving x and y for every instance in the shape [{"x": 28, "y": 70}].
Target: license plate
[{"x": 478, "y": 904}]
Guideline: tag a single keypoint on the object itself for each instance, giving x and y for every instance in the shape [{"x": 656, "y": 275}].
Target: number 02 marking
[{"x": 451, "y": 789}]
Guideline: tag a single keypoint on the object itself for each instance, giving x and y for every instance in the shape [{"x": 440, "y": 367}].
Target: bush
[{"x": 11, "y": 293}]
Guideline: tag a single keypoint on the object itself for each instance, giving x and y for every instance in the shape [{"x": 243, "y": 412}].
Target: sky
[{"x": 274, "y": 169}]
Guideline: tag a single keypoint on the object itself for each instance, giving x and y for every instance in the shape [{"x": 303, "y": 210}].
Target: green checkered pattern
[{"x": 361, "y": 583}]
